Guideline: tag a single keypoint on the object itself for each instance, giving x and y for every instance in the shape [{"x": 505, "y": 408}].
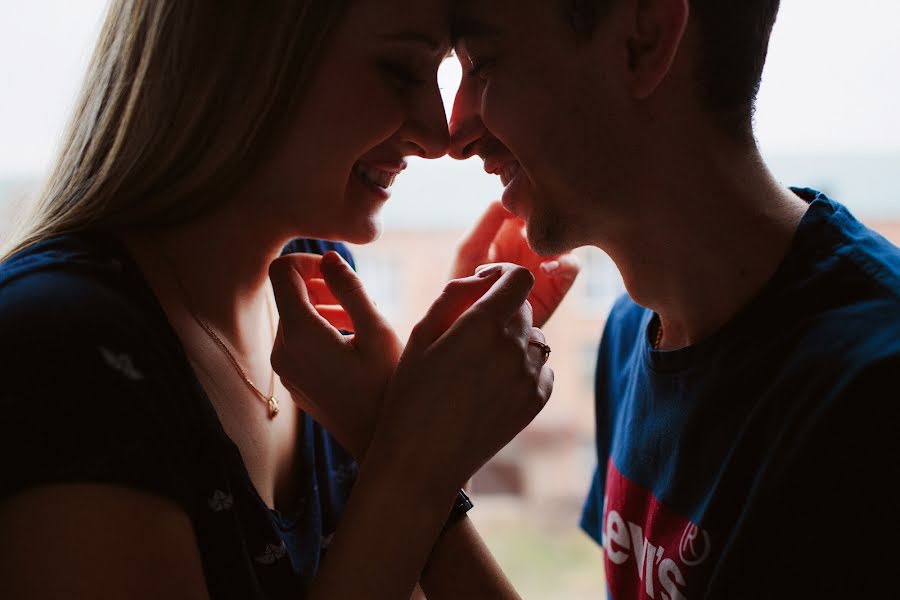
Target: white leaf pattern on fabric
[
  {"x": 121, "y": 363},
  {"x": 271, "y": 554},
  {"x": 220, "y": 501}
]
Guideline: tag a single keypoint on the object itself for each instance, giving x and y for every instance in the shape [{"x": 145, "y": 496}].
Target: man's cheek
[{"x": 503, "y": 115}]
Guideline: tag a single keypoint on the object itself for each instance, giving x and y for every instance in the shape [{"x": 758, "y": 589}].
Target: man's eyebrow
[
  {"x": 468, "y": 27},
  {"x": 414, "y": 37}
]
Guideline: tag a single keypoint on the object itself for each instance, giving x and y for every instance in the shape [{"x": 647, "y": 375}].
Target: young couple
[{"x": 745, "y": 389}]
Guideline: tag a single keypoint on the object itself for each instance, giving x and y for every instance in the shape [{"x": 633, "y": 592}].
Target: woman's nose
[
  {"x": 466, "y": 127},
  {"x": 428, "y": 131}
]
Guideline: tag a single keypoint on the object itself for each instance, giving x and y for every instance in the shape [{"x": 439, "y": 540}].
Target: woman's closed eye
[{"x": 400, "y": 75}]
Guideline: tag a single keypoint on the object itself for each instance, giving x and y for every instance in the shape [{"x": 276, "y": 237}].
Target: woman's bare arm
[
  {"x": 85, "y": 541},
  {"x": 461, "y": 566}
]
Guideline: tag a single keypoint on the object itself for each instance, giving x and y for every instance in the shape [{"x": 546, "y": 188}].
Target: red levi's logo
[{"x": 651, "y": 551}]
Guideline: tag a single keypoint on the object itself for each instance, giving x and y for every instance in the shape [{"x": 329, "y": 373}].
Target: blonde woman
[{"x": 149, "y": 450}]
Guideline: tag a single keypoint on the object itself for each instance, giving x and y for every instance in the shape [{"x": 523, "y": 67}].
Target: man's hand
[{"x": 500, "y": 237}]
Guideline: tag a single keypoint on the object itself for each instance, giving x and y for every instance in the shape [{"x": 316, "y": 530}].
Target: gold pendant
[{"x": 273, "y": 407}]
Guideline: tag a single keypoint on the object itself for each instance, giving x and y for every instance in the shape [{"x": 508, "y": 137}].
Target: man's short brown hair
[{"x": 734, "y": 43}]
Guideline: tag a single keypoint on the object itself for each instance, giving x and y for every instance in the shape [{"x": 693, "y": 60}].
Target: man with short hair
[{"x": 746, "y": 388}]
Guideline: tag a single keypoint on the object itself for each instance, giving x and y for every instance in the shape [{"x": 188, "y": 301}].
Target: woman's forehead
[
  {"x": 432, "y": 16},
  {"x": 426, "y": 22}
]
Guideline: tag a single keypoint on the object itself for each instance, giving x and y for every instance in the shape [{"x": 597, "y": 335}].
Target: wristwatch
[{"x": 461, "y": 506}]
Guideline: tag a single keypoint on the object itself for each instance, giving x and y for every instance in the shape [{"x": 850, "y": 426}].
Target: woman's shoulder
[
  {"x": 71, "y": 305},
  {"x": 92, "y": 391},
  {"x": 70, "y": 277}
]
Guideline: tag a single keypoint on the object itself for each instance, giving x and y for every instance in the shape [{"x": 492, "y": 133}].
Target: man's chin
[{"x": 546, "y": 235}]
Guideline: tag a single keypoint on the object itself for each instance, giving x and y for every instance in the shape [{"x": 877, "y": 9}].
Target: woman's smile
[{"x": 378, "y": 176}]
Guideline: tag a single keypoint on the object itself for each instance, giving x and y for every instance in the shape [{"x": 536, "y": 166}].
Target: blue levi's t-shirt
[
  {"x": 97, "y": 389},
  {"x": 758, "y": 462}
]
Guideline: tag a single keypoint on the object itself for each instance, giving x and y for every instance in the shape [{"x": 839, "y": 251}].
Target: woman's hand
[
  {"x": 467, "y": 382},
  {"x": 338, "y": 379},
  {"x": 500, "y": 237}
]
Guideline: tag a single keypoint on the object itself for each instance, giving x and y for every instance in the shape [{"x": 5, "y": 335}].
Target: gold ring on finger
[{"x": 545, "y": 349}]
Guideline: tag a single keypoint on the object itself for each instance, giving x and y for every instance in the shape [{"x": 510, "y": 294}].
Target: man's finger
[
  {"x": 350, "y": 293},
  {"x": 297, "y": 314},
  {"x": 337, "y": 316},
  {"x": 476, "y": 244},
  {"x": 563, "y": 277},
  {"x": 560, "y": 274},
  {"x": 562, "y": 269},
  {"x": 308, "y": 265},
  {"x": 319, "y": 292}
]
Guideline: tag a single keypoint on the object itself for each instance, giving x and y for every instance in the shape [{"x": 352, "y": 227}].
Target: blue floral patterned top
[{"x": 97, "y": 389}]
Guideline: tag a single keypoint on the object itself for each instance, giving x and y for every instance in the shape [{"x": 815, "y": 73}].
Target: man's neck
[{"x": 708, "y": 240}]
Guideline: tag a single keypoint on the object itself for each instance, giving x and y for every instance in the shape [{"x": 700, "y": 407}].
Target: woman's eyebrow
[{"x": 414, "y": 37}]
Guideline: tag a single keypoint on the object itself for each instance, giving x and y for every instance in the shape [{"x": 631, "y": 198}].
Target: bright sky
[
  {"x": 831, "y": 85},
  {"x": 832, "y": 81}
]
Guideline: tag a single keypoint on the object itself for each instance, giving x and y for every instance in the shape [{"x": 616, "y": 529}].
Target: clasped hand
[{"x": 465, "y": 384}]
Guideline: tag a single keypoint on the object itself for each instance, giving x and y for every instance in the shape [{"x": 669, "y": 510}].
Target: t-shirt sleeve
[
  {"x": 310, "y": 246},
  {"x": 592, "y": 512},
  {"x": 826, "y": 519},
  {"x": 86, "y": 395}
]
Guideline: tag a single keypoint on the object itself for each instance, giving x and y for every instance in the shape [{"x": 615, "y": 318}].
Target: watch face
[{"x": 462, "y": 505}]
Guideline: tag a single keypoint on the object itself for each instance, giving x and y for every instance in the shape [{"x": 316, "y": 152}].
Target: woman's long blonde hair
[{"x": 181, "y": 100}]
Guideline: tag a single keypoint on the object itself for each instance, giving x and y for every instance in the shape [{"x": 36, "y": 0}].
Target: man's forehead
[{"x": 476, "y": 19}]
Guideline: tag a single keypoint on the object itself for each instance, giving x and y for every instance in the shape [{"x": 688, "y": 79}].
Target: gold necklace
[
  {"x": 270, "y": 400},
  {"x": 659, "y": 333}
]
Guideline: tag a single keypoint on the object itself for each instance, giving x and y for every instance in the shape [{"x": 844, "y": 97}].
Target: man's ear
[{"x": 657, "y": 34}]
